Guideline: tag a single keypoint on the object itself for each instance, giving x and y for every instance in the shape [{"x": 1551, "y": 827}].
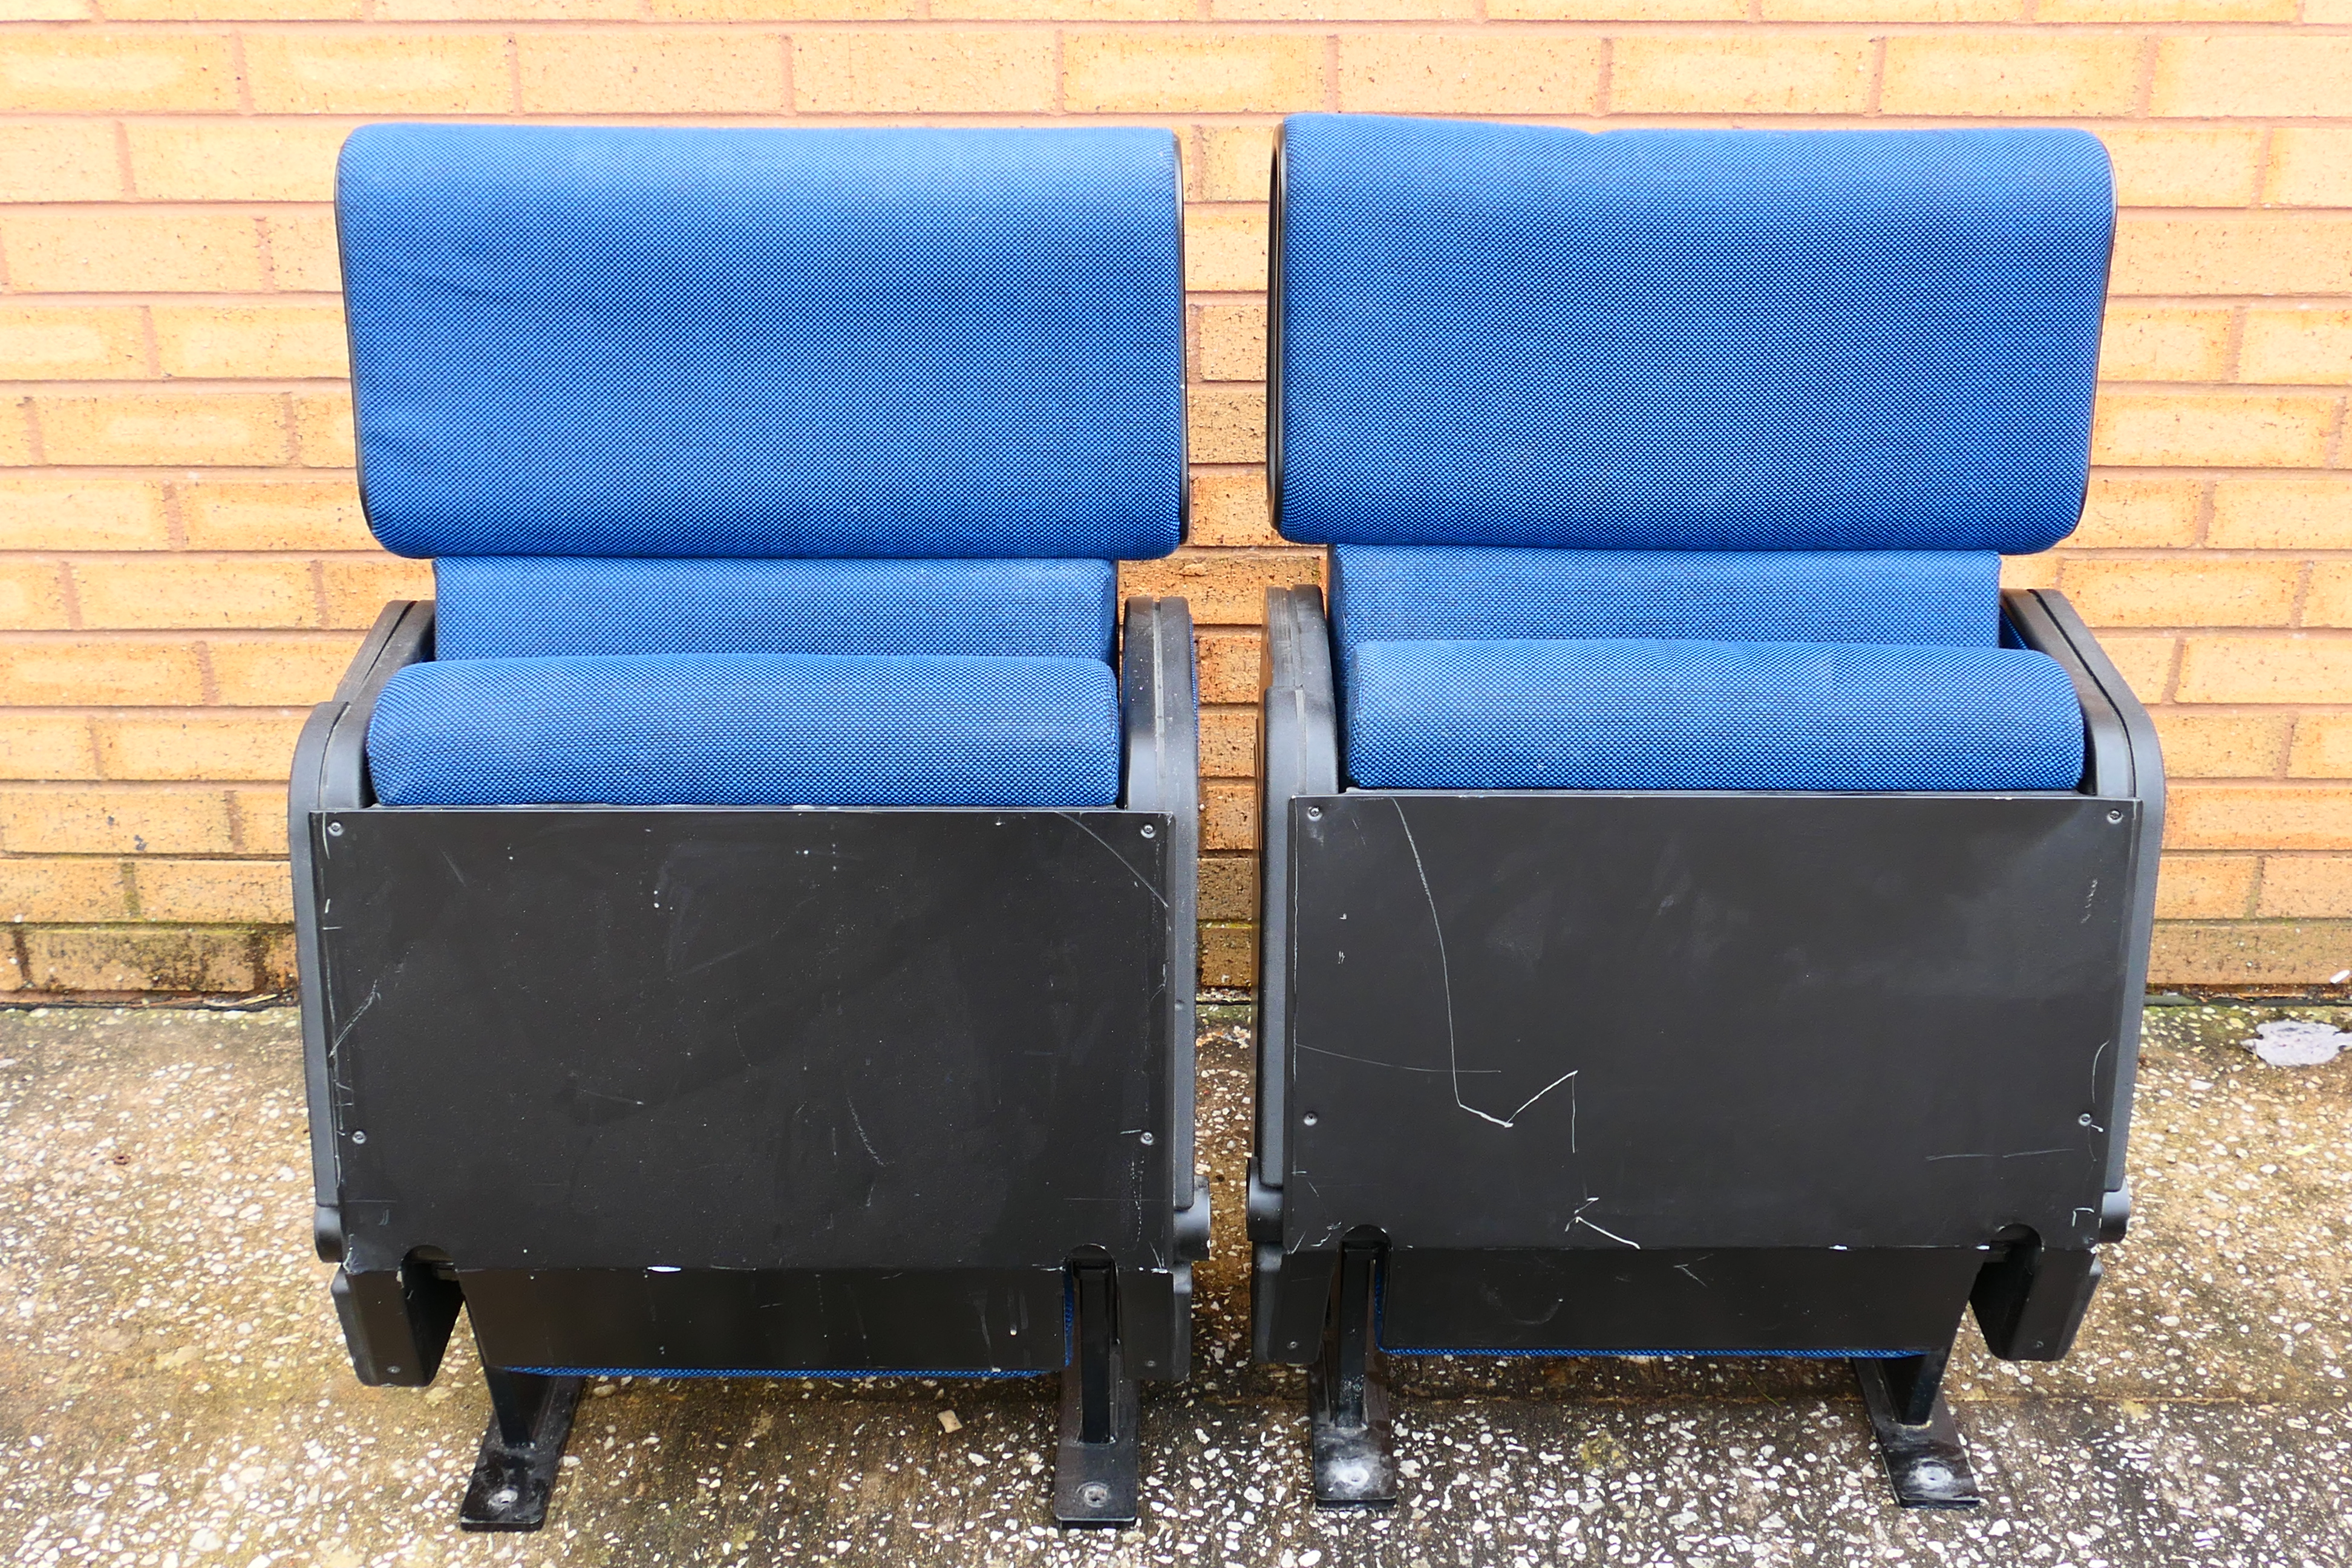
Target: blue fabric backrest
[
  {"x": 901, "y": 343},
  {"x": 1943, "y": 599},
  {"x": 1686, "y": 340},
  {"x": 504, "y": 607}
]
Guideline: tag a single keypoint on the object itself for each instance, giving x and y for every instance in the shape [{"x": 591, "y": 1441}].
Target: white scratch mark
[
  {"x": 1157, "y": 896},
  {"x": 1577, "y": 1218},
  {"x": 1392, "y": 1067},
  {"x": 1445, "y": 981},
  {"x": 353, "y": 1022},
  {"x": 1685, "y": 1268},
  {"x": 854, "y": 1121}
]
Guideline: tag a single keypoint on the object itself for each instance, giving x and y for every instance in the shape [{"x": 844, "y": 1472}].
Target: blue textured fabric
[
  {"x": 1625, "y": 714},
  {"x": 911, "y": 344},
  {"x": 533, "y": 607},
  {"x": 748, "y": 729},
  {"x": 1947, "y": 598},
  {"x": 1687, "y": 340}
]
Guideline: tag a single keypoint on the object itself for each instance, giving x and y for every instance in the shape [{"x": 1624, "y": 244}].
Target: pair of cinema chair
[{"x": 747, "y": 920}]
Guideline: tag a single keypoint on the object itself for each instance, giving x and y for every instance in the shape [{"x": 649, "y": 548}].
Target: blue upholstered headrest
[
  {"x": 862, "y": 343},
  {"x": 1686, "y": 340}
]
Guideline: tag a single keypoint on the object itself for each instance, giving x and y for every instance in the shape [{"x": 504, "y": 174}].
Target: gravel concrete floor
[{"x": 172, "y": 1389}]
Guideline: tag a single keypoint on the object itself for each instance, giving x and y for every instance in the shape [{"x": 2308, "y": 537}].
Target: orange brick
[
  {"x": 274, "y": 514},
  {"x": 2205, "y": 887},
  {"x": 923, "y": 72},
  {"x": 15, "y": 431},
  {"x": 358, "y": 587},
  {"x": 2307, "y": 886},
  {"x": 142, "y": 958},
  {"x": 2183, "y": 591},
  {"x": 2231, "y": 429},
  {"x": 302, "y": 257},
  {"x": 1236, "y": 162},
  {"x": 322, "y": 429},
  {"x": 63, "y": 890},
  {"x": 2273, "y": 953},
  {"x": 1229, "y": 509},
  {"x": 1894, "y": 10},
  {"x": 2309, "y": 344},
  {"x": 1199, "y": 73},
  {"x": 1618, "y": 10},
  {"x": 77, "y": 819},
  {"x": 1061, "y": 10},
  {"x": 1229, "y": 743},
  {"x": 2144, "y": 661},
  {"x": 44, "y": 10},
  {"x": 45, "y": 745},
  {"x": 2123, "y": 512},
  {"x": 231, "y": 10},
  {"x": 2251, "y": 816},
  {"x": 1728, "y": 73},
  {"x": 278, "y": 672},
  {"x": 260, "y": 818},
  {"x": 2223, "y": 745},
  {"x": 44, "y": 511},
  {"x": 108, "y": 250},
  {"x": 2257, "y": 254},
  {"x": 2329, "y": 601},
  {"x": 1223, "y": 589},
  {"x": 785, "y": 10},
  {"x": 1229, "y": 665},
  {"x": 148, "y": 428},
  {"x": 649, "y": 70},
  {"x": 2322, "y": 747},
  {"x": 60, "y": 160},
  {"x": 2266, "y": 670},
  {"x": 152, "y": 592},
  {"x": 1231, "y": 342},
  {"x": 71, "y": 343},
  {"x": 32, "y": 596},
  {"x": 1342, "y": 10},
  {"x": 1468, "y": 73},
  {"x": 115, "y": 71},
  {"x": 215, "y": 890},
  {"x": 267, "y": 341},
  {"x": 1229, "y": 887},
  {"x": 2166, "y": 342},
  {"x": 314, "y": 72},
  {"x": 250, "y": 746},
  {"x": 1228, "y": 815},
  {"x": 1228, "y": 954},
  {"x": 2029, "y": 571},
  {"x": 100, "y": 671},
  {"x": 2268, "y": 73},
  {"x": 2282, "y": 514},
  {"x": 1228, "y": 424},
  {"x": 2165, "y": 165},
  {"x": 1224, "y": 248},
  {"x": 2165, "y": 11},
  {"x": 2311, "y": 166},
  {"x": 235, "y": 160},
  {"x": 2021, "y": 73}
]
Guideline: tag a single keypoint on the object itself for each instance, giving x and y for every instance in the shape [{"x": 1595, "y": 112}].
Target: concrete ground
[{"x": 172, "y": 1389}]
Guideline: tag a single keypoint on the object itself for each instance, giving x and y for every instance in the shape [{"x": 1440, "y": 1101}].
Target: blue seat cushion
[
  {"x": 1687, "y": 339},
  {"x": 534, "y": 607},
  {"x": 748, "y": 729},
  {"x": 1620, "y": 714},
  {"x": 1389, "y": 593},
  {"x": 858, "y": 342}
]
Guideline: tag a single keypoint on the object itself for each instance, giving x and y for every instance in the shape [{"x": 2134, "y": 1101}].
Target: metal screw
[
  {"x": 395, "y": 1371},
  {"x": 334, "y": 830},
  {"x": 2115, "y": 816},
  {"x": 1147, "y": 1140},
  {"x": 1308, "y": 1118},
  {"x": 505, "y": 1496},
  {"x": 2083, "y": 1120},
  {"x": 1150, "y": 831},
  {"x": 1095, "y": 1494},
  {"x": 1314, "y": 814},
  {"x": 359, "y": 1137}
]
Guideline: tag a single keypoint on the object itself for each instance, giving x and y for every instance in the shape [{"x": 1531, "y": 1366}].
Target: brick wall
[{"x": 183, "y": 566}]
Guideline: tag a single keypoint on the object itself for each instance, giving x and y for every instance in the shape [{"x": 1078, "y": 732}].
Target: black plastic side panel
[{"x": 1299, "y": 749}]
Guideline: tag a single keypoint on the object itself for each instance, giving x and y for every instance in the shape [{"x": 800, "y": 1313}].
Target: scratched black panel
[
  {"x": 573, "y": 1039},
  {"x": 1702, "y": 1020}
]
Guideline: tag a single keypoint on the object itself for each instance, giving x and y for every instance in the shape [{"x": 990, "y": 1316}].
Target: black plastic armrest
[
  {"x": 330, "y": 774},
  {"x": 1300, "y": 750},
  {"x": 1160, "y": 710}
]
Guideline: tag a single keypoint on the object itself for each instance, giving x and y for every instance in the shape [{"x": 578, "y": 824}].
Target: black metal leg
[
  {"x": 1348, "y": 1397},
  {"x": 1097, "y": 1463},
  {"x": 531, "y": 1417},
  {"x": 1917, "y": 1440}
]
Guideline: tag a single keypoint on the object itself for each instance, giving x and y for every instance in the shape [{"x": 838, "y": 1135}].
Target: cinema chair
[
  {"x": 1704, "y": 913},
  {"x": 746, "y": 921}
]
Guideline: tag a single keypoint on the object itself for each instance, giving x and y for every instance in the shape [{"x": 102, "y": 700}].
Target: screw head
[
  {"x": 1314, "y": 814},
  {"x": 505, "y": 1496},
  {"x": 1095, "y": 1494},
  {"x": 1309, "y": 1119},
  {"x": 2115, "y": 816},
  {"x": 334, "y": 830},
  {"x": 359, "y": 1137},
  {"x": 1147, "y": 1140},
  {"x": 2085, "y": 1120},
  {"x": 1150, "y": 831}
]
